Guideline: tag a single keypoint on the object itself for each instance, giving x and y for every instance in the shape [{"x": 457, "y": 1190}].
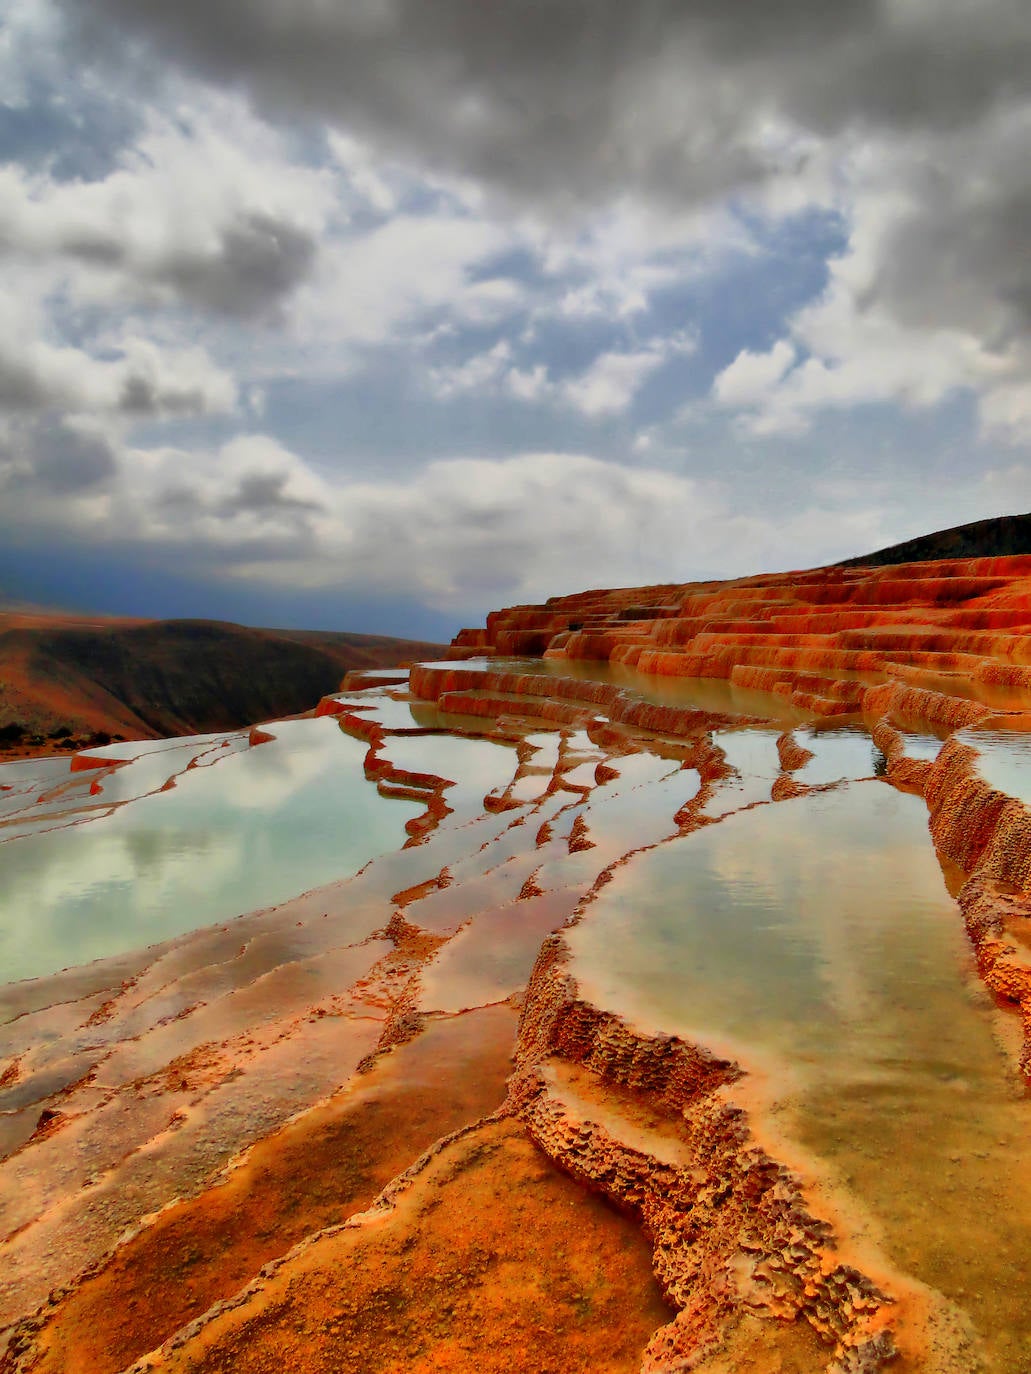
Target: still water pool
[
  {"x": 815, "y": 941},
  {"x": 252, "y": 828}
]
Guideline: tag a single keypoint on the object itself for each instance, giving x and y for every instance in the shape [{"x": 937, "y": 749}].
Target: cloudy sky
[{"x": 380, "y": 313}]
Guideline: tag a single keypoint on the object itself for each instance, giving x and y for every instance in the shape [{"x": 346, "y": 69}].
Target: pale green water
[
  {"x": 474, "y": 766},
  {"x": 816, "y": 938},
  {"x": 1004, "y": 759},
  {"x": 251, "y": 830}
]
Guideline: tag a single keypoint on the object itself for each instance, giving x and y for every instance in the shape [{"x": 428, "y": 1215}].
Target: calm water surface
[
  {"x": 252, "y": 829},
  {"x": 815, "y": 939}
]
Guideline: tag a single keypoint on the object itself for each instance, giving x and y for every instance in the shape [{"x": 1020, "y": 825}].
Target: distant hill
[
  {"x": 10, "y": 604},
  {"x": 67, "y": 678},
  {"x": 1002, "y": 535}
]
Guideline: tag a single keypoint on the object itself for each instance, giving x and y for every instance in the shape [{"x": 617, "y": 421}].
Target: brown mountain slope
[
  {"x": 72, "y": 677},
  {"x": 1001, "y": 536}
]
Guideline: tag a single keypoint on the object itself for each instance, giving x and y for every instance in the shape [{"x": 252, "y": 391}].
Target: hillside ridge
[
  {"x": 66, "y": 679},
  {"x": 999, "y": 536}
]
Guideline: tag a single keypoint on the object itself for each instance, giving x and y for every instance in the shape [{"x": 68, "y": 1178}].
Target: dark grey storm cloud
[
  {"x": 580, "y": 98},
  {"x": 265, "y": 494},
  {"x": 249, "y": 266},
  {"x": 67, "y": 462},
  {"x": 968, "y": 231},
  {"x": 143, "y": 396},
  {"x": 570, "y": 104},
  {"x": 21, "y": 386},
  {"x": 141, "y": 382},
  {"x": 54, "y": 459},
  {"x": 259, "y": 262}
]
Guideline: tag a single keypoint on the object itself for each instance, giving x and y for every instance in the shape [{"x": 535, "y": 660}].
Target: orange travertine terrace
[{"x": 404, "y": 1122}]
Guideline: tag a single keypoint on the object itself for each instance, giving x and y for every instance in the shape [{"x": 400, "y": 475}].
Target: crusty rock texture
[{"x": 729, "y": 1225}]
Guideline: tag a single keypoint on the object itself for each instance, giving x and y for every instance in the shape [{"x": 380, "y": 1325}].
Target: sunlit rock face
[{"x": 645, "y": 987}]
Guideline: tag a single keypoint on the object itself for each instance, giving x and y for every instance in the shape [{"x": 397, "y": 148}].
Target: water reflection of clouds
[
  {"x": 844, "y": 752},
  {"x": 68, "y": 799},
  {"x": 477, "y": 766},
  {"x": 267, "y": 775},
  {"x": 1004, "y": 759},
  {"x": 753, "y": 753},
  {"x": 262, "y": 826},
  {"x": 784, "y": 925},
  {"x": 840, "y": 874}
]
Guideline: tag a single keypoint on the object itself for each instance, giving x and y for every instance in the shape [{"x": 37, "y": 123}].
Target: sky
[{"x": 378, "y": 315}]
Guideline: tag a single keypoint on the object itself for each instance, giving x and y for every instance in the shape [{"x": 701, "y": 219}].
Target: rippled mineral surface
[{"x": 647, "y": 986}]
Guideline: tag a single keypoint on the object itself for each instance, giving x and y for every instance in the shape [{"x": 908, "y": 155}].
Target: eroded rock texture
[{"x": 424, "y": 1117}]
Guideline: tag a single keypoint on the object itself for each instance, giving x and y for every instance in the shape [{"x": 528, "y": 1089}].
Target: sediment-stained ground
[{"x": 670, "y": 1010}]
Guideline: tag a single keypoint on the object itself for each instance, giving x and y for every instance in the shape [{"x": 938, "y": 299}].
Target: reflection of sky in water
[
  {"x": 753, "y": 753},
  {"x": 773, "y": 927},
  {"x": 838, "y": 753},
  {"x": 922, "y": 746},
  {"x": 637, "y": 770},
  {"x": 71, "y": 800},
  {"x": 377, "y": 704},
  {"x": 1005, "y": 760},
  {"x": 627, "y": 817},
  {"x": 477, "y": 766},
  {"x": 250, "y": 831},
  {"x": 19, "y": 791},
  {"x": 816, "y": 937},
  {"x": 23, "y": 773},
  {"x": 139, "y": 748}
]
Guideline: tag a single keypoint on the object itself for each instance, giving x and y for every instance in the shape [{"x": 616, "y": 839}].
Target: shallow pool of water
[
  {"x": 814, "y": 939},
  {"x": 1004, "y": 759},
  {"x": 843, "y": 752},
  {"x": 474, "y": 767},
  {"x": 255, "y": 828}
]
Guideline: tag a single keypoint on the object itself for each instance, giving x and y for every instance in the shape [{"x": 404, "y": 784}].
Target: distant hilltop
[
  {"x": 67, "y": 680},
  {"x": 1003, "y": 535}
]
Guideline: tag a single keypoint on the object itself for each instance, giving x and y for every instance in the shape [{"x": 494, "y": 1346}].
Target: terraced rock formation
[{"x": 677, "y": 1016}]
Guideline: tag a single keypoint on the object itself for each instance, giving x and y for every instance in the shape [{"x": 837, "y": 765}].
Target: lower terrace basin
[
  {"x": 1004, "y": 756},
  {"x": 815, "y": 943}
]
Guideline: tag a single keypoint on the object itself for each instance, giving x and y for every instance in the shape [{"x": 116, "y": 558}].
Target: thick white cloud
[
  {"x": 461, "y": 535},
  {"x": 373, "y": 285},
  {"x": 750, "y": 378},
  {"x": 613, "y": 380},
  {"x": 141, "y": 380},
  {"x": 912, "y": 118},
  {"x": 932, "y": 295},
  {"x": 480, "y": 373},
  {"x": 204, "y": 208}
]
